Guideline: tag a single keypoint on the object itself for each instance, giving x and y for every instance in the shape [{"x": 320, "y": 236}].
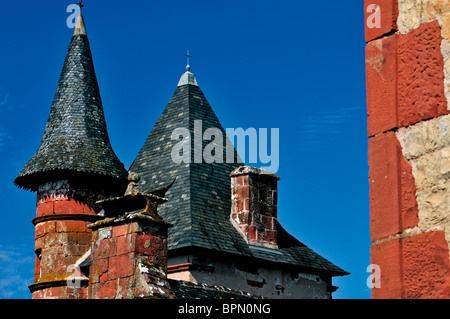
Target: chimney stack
[
  {"x": 129, "y": 248},
  {"x": 254, "y": 205}
]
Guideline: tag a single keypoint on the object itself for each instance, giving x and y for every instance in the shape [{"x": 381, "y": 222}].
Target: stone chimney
[
  {"x": 74, "y": 167},
  {"x": 254, "y": 205},
  {"x": 129, "y": 248}
]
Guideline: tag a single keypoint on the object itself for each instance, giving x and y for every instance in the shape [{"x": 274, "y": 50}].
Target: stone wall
[
  {"x": 407, "y": 80},
  {"x": 258, "y": 279},
  {"x": 63, "y": 211}
]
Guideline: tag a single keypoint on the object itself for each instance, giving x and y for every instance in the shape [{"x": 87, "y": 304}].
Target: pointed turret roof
[
  {"x": 199, "y": 201},
  {"x": 200, "y": 196},
  {"x": 75, "y": 138}
]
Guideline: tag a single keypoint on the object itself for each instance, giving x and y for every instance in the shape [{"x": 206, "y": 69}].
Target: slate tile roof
[
  {"x": 199, "y": 202},
  {"x": 190, "y": 290},
  {"x": 75, "y": 137},
  {"x": 201, "y": 191}
]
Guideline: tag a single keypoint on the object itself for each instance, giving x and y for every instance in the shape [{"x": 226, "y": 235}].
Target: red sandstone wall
[
  {"x": 406, "y": 94},
  {"x": 129, "y": 260},
  {"x": 61, "y": 238}
]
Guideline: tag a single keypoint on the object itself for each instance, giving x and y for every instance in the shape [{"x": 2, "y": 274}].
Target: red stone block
[
  {"x": 98, "y": 270},
  {"x": 68, "y": 207},
  {"x": 55, "y": 239},
  {"x": 270, "y": 236},
  {"x": 104, "y": 248},
  {"x": 37, "y": 268},
  {"x": 121, "y": 266},
  {"x": 251, "y": 233},
  {"x": 243, "y": 192},
  {"x": 71, "y": 226},
  {"x": 74, "y": 251},
  {"x": 126, "y": 244},
  {"x": 53, "y": 264},
  {"x": 242, "y": 180},
  {"x": 239, "y": 205},
  {"x": 381, "y": 85},
  {"x": 103, "y": 277},
  {"x": 71, "y": 238},
  {"x": 120, "y": 230},
  {"x": 39, "y": 230},
  {"x": 39, "y": 243},
  {"x": 48, "y": 293},
  {"x": 147, "y": 245},
  {"x": 387, "y": 255},
  {"x": 388, "y": 18},
  {"x": 44, "y": 208},
  {"x": 44, "y": 228},
  {"x": 104, "y": 290},
  {"x": 426, "y": 266},
  {"x": 420, "y": 75},
  {"x": 384, "y": 179}
]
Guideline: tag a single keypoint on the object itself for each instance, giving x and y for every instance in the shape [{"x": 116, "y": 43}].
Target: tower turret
[{"x": 74, "y": 167}]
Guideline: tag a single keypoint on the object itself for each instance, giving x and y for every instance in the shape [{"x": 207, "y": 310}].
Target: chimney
[
  {"x": 254, "y": 205},
  {"x": 129, "y": 248}
]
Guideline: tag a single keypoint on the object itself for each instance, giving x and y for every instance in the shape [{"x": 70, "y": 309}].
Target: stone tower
[{"x": 73, "y": 168}]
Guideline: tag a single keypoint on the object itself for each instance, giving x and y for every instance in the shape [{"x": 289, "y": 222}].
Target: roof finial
[
  {"x": 188, "y": 56},
  {"x": 79, "y": 26},
  {"x": 187, "y": 77}
]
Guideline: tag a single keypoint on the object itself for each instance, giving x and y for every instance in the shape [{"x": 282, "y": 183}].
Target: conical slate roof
[
  {"x": 199, "y": 201},
  {"x": 75, "y": 138},
  {"x": 200, "y": 196}
]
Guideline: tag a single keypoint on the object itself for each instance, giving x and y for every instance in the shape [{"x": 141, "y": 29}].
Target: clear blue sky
[{"x": 293, "y": 65}]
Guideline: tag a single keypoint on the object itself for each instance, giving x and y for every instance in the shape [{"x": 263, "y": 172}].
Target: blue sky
[{"x": 293, "y": 65}]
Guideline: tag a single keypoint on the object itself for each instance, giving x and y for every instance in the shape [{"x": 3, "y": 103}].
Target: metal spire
[
  {"x": 188, "y": 56},
  {"x": 79, "y": 26}
]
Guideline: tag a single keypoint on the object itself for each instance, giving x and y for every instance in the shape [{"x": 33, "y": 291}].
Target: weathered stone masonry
[
  {"x": 408, "y": 85},
  {"x": 93, "y": 241},
  {"x": 128, "y": 256},
  {"x": 254, "y": 205}
]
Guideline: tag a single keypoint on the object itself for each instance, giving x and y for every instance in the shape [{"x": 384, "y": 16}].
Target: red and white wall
[{"x": 408, "y": 89}]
